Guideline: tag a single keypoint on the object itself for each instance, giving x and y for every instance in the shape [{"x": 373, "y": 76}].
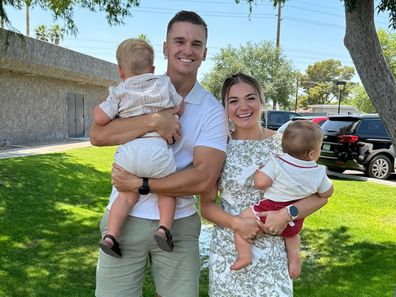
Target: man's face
[{"x": 185, "y": 48}]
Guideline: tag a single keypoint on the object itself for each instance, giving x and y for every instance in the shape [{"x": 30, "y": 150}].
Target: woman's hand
[
  {"x": 276, "y": 221},
  {"x": 167, "y": 125},
  {"x": 247, "y": 228},
  {"x": 125, "y": 181}
]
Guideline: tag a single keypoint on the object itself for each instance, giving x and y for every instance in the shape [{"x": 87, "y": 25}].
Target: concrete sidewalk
[{"x": 43, "y": 148}]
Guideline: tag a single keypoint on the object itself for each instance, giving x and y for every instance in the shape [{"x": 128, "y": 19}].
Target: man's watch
[
  {"x": 292, "y": 211},
  {"x": 144, "y": 189}
]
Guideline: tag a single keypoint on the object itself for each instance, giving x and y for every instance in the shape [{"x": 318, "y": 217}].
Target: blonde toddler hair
[{"x": 135, "y": 57}]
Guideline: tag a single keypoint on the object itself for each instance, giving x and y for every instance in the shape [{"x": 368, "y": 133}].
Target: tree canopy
[
  {"x": 388, "y": 45},
  {"x": 360, "y": 99},
  {"x": 362, "y": 42},
  {"x": 115, "y": 10},
  {"x": 261, "y": 60},
  {"x": 318, "y": 82}
]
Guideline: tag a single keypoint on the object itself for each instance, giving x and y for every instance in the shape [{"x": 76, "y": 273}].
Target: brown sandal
[
  {"x": 111, "y": 250},
  {"x": 164, "y": 242}
]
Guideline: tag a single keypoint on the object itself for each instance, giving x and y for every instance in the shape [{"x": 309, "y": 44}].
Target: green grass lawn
[{"x": 50, "y": 206}]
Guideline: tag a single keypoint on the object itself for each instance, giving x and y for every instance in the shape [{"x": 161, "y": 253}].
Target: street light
[{"x": 340, "y": 86}]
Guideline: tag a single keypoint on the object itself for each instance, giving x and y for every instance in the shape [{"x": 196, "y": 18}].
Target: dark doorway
[{"x": 75, "y": 106}]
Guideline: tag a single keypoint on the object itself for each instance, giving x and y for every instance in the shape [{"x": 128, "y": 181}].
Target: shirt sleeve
[
  {"x": 325, "y": 185},
  {"x": 111, "y": 104},
  {"x": 213, "y": 129},
  {"x": 270, "y": 168}
]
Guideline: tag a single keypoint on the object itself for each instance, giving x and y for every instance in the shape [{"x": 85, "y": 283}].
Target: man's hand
[
  {"x": 124, "y": 181},
  {"x": 167, "y": 125},
  {"x": 275, "y": 222}
]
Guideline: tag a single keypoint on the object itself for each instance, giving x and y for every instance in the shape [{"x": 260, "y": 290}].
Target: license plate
[{"x": 326, "y": 147}]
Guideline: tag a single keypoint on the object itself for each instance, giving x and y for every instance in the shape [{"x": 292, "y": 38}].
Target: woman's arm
[
  {"x": 246, "y": 227},
  {"x": 120, "y": 131},
  {"x": 277, "y": 220}
]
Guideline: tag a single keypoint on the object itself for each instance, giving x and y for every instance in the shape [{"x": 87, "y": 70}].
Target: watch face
[
  {"x": 144, "y": 190},
  {"x": 293, "y": 211}
]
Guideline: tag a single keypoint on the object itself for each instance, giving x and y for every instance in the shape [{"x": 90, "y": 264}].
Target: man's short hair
[
  {"x": 300, "y": 137},
  {"x": 189, "y": 17},
  {"x": 135, "y": 56}
]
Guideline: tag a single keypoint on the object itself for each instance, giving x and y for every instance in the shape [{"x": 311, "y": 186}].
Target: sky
[{"x": 311, "y": 30}]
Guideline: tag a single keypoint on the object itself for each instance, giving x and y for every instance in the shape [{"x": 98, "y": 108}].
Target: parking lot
[{"x": 357, "y": 175}]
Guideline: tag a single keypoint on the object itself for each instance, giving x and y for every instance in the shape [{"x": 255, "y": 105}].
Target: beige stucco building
[{"x": 47, "y": 92}]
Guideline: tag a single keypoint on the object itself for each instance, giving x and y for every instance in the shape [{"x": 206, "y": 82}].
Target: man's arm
[
  {"x": 202, "y": 175},
  {"x": 120, "y": 131}
]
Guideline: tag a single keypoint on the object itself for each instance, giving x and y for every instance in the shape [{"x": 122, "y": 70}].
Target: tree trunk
[
  {"x": 363, "y": 45},
  {"x": 27, "y": 18}
]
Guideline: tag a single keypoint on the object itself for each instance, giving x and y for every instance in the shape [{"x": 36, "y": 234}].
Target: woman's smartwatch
[
  {"x": 144, "y": 189},
  {"x": 292, "y": 211}
]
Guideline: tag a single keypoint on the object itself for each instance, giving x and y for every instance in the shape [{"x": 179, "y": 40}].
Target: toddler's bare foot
[
  {"x": 294, "y": 265},
  {"x": 240, "y": 263}
]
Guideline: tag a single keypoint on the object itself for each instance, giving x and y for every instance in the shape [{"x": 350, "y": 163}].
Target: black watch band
[{"x": 144, "y": 188}]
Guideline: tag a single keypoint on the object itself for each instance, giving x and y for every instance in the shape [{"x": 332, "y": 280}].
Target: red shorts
[{"x": 266, "y": 204}]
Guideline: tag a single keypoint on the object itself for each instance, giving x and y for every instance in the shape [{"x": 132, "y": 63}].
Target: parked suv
[
  {"x": 277, "y": 118},
  {"x": 358, "y": 142}
]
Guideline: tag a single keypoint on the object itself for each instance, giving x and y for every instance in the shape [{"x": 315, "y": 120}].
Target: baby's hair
[
  {"x": 301, "y": 137},
  {"x": 135, "y": 56}
]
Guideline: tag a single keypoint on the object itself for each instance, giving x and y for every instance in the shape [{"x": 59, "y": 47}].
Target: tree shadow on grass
[
  {"x": 335, "y": 265},
  {"x": 50, "y": 208}
]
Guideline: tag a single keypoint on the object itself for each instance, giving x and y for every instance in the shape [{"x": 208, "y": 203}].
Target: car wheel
[{"x": 379, "y": 167}]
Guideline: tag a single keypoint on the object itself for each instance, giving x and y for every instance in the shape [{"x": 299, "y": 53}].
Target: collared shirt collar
[{"x": 195, "y": 95}]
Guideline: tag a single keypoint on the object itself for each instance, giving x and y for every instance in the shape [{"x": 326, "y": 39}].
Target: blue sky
[{"x": 311, "y": 30}]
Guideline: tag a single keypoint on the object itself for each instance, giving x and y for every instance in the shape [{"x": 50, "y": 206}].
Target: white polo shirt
[
  {"x": 294, "y": 179},
  {"x": 203, "y": 124}
]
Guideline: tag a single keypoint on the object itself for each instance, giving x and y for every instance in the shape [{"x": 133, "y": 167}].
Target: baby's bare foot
[
  {"x": 294, "y": 265},
  {"x": 240, "y": 263}
]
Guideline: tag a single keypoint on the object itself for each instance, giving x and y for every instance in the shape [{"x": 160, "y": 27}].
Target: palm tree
[
  {"x": 56, "y": 34},
  {"x": 27, "y": 3},
  {"x": 143, "y": 37},
  {"x": 41, "y": 33}
]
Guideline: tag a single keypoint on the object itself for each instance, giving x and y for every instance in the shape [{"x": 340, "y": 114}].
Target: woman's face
[{"x": 243, "y": 106}]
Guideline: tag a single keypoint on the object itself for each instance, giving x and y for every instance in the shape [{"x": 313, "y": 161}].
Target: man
[{"x": 200, "y": 144}]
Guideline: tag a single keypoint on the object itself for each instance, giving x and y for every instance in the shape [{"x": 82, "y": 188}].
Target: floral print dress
[{"x": 268, "y": 275}]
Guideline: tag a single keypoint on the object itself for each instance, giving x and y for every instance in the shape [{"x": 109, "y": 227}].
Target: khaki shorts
[{"x": 175, "y": 274}]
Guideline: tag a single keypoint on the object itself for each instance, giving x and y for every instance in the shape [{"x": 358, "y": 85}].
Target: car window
[
  {"x": 372, "y": 128},
  {"x": 336, "y": 127}
]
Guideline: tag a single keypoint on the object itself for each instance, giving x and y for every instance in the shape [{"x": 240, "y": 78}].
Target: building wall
[
  {"x": 35, "y": 79},
  {"x": 34, "y": 108}
]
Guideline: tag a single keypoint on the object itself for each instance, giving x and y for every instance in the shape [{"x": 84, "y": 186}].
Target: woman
[{"x": 249, "y": 147}]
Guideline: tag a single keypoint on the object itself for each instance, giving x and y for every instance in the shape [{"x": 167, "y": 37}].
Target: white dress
[{"x": 268, "y": 275}]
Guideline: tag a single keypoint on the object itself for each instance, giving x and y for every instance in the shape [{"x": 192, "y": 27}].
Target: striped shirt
[{"x": 142, "y": 94}]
